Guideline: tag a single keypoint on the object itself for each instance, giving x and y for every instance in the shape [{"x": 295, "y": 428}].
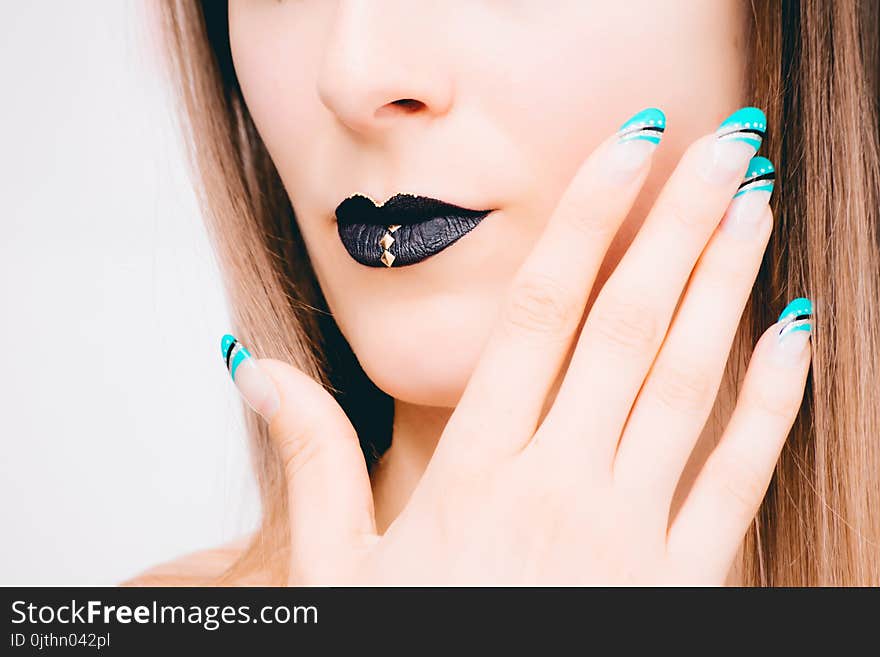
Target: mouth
[{"x": 404, "y": 230}]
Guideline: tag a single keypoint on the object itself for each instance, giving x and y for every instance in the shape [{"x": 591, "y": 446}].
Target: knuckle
[
  {"x": 545, "y": 499},
  {"x": 538, "y": 304},
  {"x": 625, "y": 324},
  {"x": 722, "y": 269},
  {"x": 778, "y": 402},
  {"x": 740, "y": 482},
  {"x": 297, "y": 451},
  {"x": 586, "y": 217},
  {"x": 456, "y": 493},
  {"x": 684, "y": 215},
  {"x": 683, "y": 388}
]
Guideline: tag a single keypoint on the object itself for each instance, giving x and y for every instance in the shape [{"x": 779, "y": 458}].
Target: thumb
[{"x": 329, "y": 495}]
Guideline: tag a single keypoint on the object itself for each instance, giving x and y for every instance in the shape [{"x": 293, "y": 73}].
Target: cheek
[
  {"x": 276, "y": 62},
  {"x": 572, "y": 86}
]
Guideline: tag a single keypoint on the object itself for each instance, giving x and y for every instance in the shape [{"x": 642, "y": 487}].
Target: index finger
[{"x": 543, "y": 308}]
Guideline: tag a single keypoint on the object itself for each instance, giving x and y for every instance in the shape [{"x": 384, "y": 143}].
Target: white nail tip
[{"x": 257, "y": 388}]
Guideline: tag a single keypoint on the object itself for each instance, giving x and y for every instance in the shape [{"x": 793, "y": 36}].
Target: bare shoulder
[{"x": 202, "y": 568}]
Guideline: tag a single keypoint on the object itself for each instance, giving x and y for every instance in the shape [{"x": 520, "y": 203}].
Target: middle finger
[{"x": 679, "y": 392}]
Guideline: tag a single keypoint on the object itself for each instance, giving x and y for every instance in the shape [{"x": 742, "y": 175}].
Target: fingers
[
  {"x": 728, "y": 491},
  {"x": 630, "y": 317},
  {"x": 678, "y": 395},
  {"x": 329, "y": 495},
  {"x": 547, "y": 297}
]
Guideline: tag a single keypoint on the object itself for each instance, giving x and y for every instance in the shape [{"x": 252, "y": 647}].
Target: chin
[{"x": 423, "y": 355}]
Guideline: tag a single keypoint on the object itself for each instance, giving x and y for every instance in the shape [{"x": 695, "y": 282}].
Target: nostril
[
  {"x": 409, "y": 104},
  {"x": 406, "y": 105}
]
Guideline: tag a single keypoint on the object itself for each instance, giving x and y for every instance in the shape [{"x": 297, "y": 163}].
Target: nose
[{"x": 377, "y": 69}]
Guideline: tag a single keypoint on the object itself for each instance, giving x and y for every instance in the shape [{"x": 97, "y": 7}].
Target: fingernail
[
  {"x": 749, "y": 204},
  {"x": 795, "y": 327},
  {"x": 737, "y": 139},
  {"x": 637, "y": 138},
  {"x": 747, "y": 125},
  {"x": 253, "y": 383}
]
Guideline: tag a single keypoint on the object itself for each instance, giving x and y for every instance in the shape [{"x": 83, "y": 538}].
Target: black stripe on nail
[
  {"x": 763, "y": 176},
  {"x": 229, "y": 351},
  {"x": 734, "y": 130},
  {"x": 794, "y": 320}
]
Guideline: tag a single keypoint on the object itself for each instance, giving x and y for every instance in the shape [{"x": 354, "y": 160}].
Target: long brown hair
[{"x": 814, "y": 69}]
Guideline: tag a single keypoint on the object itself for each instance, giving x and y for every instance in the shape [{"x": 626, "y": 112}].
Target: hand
[{"x": 578, "y": 491}]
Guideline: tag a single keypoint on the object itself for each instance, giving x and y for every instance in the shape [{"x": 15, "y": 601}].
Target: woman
[{"x": 518, "y": 337}]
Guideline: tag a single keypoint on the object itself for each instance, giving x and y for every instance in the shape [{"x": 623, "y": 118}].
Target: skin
[
  {"x": 543, "y": 422},
  {"x": 501, "y": 124}
]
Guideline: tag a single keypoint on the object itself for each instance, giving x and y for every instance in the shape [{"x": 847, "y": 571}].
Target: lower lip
[{"x": 412, "y": 242}]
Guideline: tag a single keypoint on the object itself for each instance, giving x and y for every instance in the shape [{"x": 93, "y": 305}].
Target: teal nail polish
[
  {"x": 234, "y": 353},
  {"x": 796, "y": 317},
  {"x": 747, "y": 124},
  {"x": 759, "y": 177},
  {"x": 648, "y": 125}
]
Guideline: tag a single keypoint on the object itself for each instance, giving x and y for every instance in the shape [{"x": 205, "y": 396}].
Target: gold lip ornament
[{"x": 385, "y": 242}]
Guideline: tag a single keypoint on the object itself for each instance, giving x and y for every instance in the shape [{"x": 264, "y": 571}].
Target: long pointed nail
[
  {"x": 637, "y": 138},
  {"x": 252, "y": 382},
  {"x": 747, "y": 125},
  {"x": 795, "y": 329},
  {"x": 760, "y": 177},
  {"x": 737, "y": 139},
  {"x": 744, "y": 215},
  {"x": 648, "y": 125}
]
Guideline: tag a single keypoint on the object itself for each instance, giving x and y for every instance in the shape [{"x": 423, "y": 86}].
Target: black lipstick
[{"x": 404, "y": 230}]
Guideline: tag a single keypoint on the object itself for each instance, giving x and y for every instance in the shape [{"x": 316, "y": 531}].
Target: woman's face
[{"x": 505, "y": 99}]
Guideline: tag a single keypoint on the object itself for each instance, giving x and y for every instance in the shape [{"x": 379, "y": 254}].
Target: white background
[{"x": 123, "y": 443}]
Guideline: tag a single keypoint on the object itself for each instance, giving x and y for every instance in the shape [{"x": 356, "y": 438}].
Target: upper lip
[{"x": 400, "y": 209}]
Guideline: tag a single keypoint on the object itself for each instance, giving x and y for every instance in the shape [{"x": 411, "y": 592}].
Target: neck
[{"x": 414, "y": 436}]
